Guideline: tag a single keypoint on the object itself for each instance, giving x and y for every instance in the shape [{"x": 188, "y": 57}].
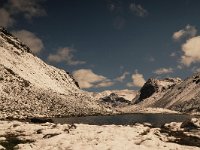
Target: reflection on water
[{"x": 156, "y": 120}]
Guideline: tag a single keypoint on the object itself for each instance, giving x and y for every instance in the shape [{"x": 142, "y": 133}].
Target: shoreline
[{"x": 52, "y": 119}]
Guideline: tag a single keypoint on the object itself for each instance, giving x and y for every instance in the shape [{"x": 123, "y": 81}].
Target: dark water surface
[{"x": 157, "y": 120}]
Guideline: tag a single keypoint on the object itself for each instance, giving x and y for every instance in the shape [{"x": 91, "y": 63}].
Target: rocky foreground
[{"x": 47, "y": 136}]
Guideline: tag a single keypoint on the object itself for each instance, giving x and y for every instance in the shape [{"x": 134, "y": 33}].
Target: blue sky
[{"x": 110, "y": 44}]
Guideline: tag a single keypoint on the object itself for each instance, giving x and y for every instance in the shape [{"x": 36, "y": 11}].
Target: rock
[
  {"x": 193, "y": 123},
  {"x": 2, "y": 148},
  {"x": 114, "y": 100},
  {"x": 148, "y": 89}
]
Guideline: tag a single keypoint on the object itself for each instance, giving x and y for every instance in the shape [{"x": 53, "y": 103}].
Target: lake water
[{"x": 156, "y": 120}]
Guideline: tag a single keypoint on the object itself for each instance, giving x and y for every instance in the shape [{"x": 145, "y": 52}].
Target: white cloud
[
  {"x": 191, "y": 48},
  {"x": 88, "y": 79},
  {"x": 30, "y": 8},
  {"x": 138, "y": 10},
  {"x": 191, "y": 51},
  {"x": 104, "y": 84},
  {"x": 6, "y": 19},
  {"x": 163, "y": 71},
  {"x": 30, "y": 39},
  {"x": 122, "y": 77},
  {"x": 188, "y": 32},
  {"x": 64, "y": 54},
  {"x": 137, "y": 80}
]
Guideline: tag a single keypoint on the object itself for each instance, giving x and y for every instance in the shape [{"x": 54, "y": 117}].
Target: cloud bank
[
  {"x": 188, "y": 32},
  {"x": 191, "y": 50},
  {"x": 137, "y": 80},
  {"x": 161, "y": 71},
  {"x": 6, "y": 19},
  {"x": 122, "y": 77},
  {"x": 64, "y": 55},
  {"x": 27, "y": 8},
  {"x": 88, "y": 79}
]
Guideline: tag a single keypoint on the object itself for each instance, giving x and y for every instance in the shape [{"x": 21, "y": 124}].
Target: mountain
[
  {"x": 115, "y": 98},
  {"x": 171, "y": 93},
  {"x": 184, "y": 97},
  {"x": 126, "y": 94},
  {"x": 154, "y": 89},
  {"x": 30, "y": 87}
]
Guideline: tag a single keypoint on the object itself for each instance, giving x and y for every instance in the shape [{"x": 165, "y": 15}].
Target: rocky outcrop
[
  {"x": 114, "y": 100},
  {"x": 148, "y": 89},
  {"x": 171, "y": 93},
  {"x": 193, "y": 123},
  {"x": 187, "y": 133},
  {"x": 30, "y": 87},
  {"x": 184, "y": 97}
]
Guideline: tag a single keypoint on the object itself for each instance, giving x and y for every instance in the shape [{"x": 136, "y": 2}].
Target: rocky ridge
[
  {"x": 171, "y": 93},
  {"x": 154, "y": 89},
  {"x": 184, "y": 97}
]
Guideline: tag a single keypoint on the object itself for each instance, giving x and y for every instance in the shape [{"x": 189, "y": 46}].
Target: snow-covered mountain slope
[
  {"x": 171, "y": 93},
  {"x": 114, "y": 100},
  {"x": 126, "y": 94},
  {"x": 30, "y": 87},
  {"x": 154, "y": 89},
  {"x": 184, "y": 97}
]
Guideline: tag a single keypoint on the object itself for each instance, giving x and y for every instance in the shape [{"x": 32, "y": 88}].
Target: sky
[{"x": 110, "y": 44}]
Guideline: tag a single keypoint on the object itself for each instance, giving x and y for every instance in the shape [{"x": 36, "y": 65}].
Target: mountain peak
[{"x": 156, "y": 85}]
